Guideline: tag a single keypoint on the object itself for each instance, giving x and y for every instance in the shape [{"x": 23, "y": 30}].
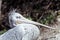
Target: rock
[{"x": 58, "y": 36}]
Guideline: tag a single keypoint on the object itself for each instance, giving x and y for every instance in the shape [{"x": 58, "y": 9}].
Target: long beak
[{"x": 36, "y": 23}]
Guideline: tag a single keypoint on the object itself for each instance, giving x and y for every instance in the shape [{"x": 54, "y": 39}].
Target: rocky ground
[{"x": 49, "y": 34}]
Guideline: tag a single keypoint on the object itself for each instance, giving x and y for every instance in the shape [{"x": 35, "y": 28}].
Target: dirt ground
[{"x": 49, "y": 34}]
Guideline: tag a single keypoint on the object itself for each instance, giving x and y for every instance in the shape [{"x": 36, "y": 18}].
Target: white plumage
[{"x": 21, "y": 32}]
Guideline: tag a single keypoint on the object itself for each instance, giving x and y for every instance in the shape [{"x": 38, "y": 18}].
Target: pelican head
[{"x": 15, "y": 18}]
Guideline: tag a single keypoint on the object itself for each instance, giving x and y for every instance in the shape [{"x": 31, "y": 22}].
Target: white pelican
[{"x": 24, "y": 29}]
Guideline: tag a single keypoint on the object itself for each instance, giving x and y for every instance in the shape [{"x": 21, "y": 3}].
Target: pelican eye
[{"x": 18, "y": 17}]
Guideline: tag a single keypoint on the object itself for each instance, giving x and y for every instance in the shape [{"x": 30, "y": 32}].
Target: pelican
[{"x": 22, "y": 28}]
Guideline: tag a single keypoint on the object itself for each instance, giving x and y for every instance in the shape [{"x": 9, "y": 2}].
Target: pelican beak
[{"x": 36, "y": 23}]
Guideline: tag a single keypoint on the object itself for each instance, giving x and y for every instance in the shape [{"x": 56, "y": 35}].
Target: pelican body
[{"x": 21, "y": 32}]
